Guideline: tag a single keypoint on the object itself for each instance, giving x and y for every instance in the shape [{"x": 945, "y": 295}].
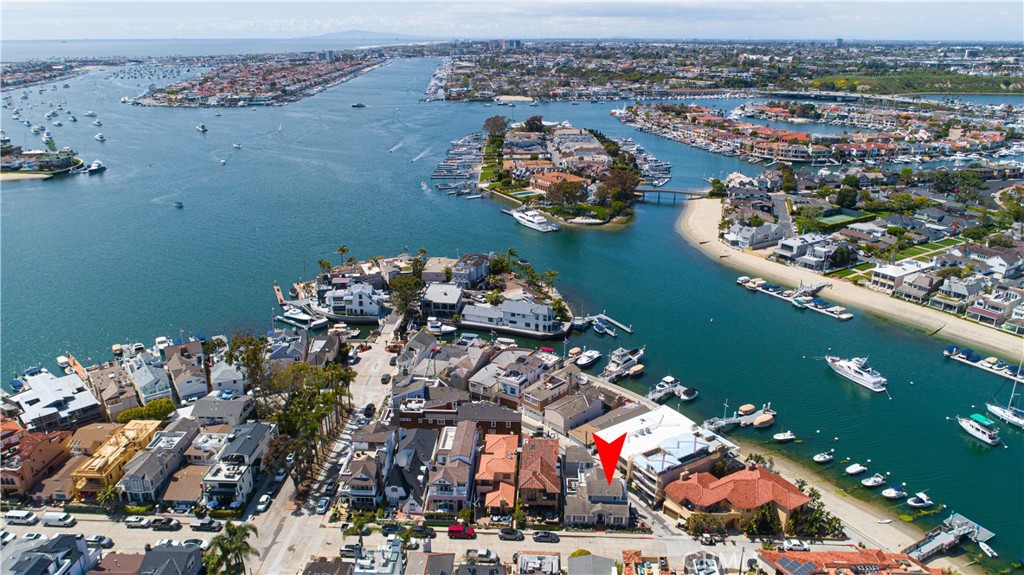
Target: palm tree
[
  {"x": 230, "y": 549},
  {"x": 325, "y": 266},
  {"x": 108, "y": 497},
  {"x": 341, "y": 251}
]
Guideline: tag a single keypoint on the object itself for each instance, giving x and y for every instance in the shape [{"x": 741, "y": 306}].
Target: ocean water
[
  {"x": 88, "y": 261},
  {"x": 22, "y": 50}
]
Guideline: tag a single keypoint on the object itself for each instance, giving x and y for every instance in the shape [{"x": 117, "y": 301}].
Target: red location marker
[{"x": 609, "y": 452}]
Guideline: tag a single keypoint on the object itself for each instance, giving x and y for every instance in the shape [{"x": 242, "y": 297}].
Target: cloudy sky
[{"x": 765, "y": 19}]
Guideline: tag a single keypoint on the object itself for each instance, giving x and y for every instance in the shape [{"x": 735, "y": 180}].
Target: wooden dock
[
  {"x": 948, "y": 535},
  {"x": 985, "y": 366},
  {"x": 743, "y": 420},
  {"x": 280, "y": 296},
  {"x": 601, "y": 316}
]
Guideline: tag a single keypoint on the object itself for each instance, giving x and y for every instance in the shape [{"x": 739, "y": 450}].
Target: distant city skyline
[{"x": 766, "y": 20}]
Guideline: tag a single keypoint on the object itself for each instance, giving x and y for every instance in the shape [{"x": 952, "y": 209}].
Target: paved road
[{"x": 779, "y": 200}]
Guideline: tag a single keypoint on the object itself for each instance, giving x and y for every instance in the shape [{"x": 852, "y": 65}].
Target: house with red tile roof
[
  {"x": 874, "y": 561},
  {"x": 496, "y": 472},
  {"x": 540, "y": 482},
  {"x": 35, "y": 457},
  {"x": 733, "y": 498}
]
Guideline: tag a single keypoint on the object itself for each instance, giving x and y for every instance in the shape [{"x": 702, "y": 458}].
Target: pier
[
  {"x": 801, "y": 297},
  {"x": 584, "y": 321},
  {"x": 983, "y": 364},
  {"x": 948, "y": 535},
  {"x": 743, "y": 418}
]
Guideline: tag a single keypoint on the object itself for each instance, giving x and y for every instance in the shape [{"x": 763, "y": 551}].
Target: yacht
[
  {"x": 179, "y": 205},
  {"x": 855, "y": 469},
  {"x": 97, "y": 123},
  {"x": 201, "y": 127},
  {"x": 95, "y": 167},
  {"x": 824, "y": 457},
  {"x": 873, "y": 481},
  {"x": 981, "y": 427},
  {"x": 894, "y": 492},
  {"x": 676, "y": 387},
  {"x": 621, "y": 361},
  {"x": 1009, "y": 413},
  {"x": 90, "y": 114},
  {"x": 161, "y": 343},
  {"x": 588, "y": 358},
  {"x": 435, "y": 326},
  {"x": 534, "y": 220},
  {"x": 857, "y": 371},
  {"x": 236, "y": 146},
  {"x": 784, "y": 437},
  {"x": 299, "y": 318},
  {"x": 99, "y": 137},
  {"x": 920, "y": 501},
  {"x": 359, "y": 105}
]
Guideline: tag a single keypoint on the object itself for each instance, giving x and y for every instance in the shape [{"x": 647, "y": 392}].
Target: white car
[
  {"x": 795, "y": 545},
  {"x": 6, "y": 537},
  {"x": 323, "y": 505},
  {"x": 281, "y": 474},
  {"x": 264, "y": 503},
  {"x": 170, "y": 542},
  {"x": 136, "y": 522},
  {"x": 35, "y": 537}
]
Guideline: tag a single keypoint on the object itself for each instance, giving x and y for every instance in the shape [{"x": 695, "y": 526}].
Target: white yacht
[
  {"x": 855, "y": 469},
  {"x": 100, "y": 137},
  {"x": 90, "y": 114},
  {"x": 201, "y": 127},
  {"x": 824, "y": 457},
  {"x": 161, "y": 343},
  {"x": 435, "y": 326},
  {"x": 621, "y": 361},
  {"x": 588, "y": 358},
  {"x": 857, "y": 371},
  {"x": 1009, "y": 413},
  {"x": 299, "y": 318},
  {"x": 920, "y": 501},
  {"x": 784, "y": 437},
  {"x": 873, "y": 481},
  {"x": 894, "y": 492},
  {"x": 981, "y": 427},
  {"x": 534, "y": 220}
]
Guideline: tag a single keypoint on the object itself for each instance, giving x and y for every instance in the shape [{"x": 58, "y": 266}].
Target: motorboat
[
  {"x": 534, "y": 220},
  {"x": 588, "y": 358},
  {"x": 435, "y": 327},
  {"x": 636, "y": 371},
  {"x": 299, "y": 318},
  {"x": 138, "y": 348},
  {"x": 856, "y": 469},
  {"x": 179, "y": 205},
  {"x": 950, "y": 351},
  {"x": 236, "y": 146},
  {"x": 161, "y": 343},
  {"x": 63, "y": 361},
  {"x": 920, "y": 501},
  {"x": 873, "y": 481},
  {"x": 671, "y": 385},
  {"x": 824, "y": 457},
  {"x": 858, "y": 371},
  {"x": 600, "y": 328},
  {"x": 201, "y": 127},
  {"x": 97, "y": 123},
  {"x": 784, "y": 437},
  {"x": 359, "y": 105},
  {"x": 894, "y": 492},
  {"x": 621, "y": 361},
  {"x": 95, "y": 167},
  {"x": 742, "y": 280},
  {"x": 90, "y": 114},
  {"x": 100, "y": 137},
  {"x": 981, "y": 428}
]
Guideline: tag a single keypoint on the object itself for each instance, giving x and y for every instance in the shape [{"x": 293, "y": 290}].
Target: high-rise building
[{"x": 839, "y": 42}]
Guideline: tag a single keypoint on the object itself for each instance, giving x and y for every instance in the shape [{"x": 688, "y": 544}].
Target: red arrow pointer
[{"x": 609, "y": 452}]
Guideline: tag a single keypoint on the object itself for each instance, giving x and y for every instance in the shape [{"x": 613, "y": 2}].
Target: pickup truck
[{"x": 481, "y": 556}]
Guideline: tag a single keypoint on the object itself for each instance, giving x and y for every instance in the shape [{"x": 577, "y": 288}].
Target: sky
[{"x": 683, "y": 19}]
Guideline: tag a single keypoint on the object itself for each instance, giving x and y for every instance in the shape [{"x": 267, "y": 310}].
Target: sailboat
[
  {"x": 1010, "y": 413},
  {"x": 280, "y": 127}
]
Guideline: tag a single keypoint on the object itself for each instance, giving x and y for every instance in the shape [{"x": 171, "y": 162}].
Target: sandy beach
[
  {"x": 15, "y": 176},
  {"x": 699, "y": 225}
]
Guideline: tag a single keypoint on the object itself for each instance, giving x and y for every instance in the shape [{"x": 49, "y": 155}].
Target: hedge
[{"x": 225, "y": 514}]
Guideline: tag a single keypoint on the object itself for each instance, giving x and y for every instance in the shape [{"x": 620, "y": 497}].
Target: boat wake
[
  {"x": 397, "y": 146},
  {"x": 421, "y": 154}
]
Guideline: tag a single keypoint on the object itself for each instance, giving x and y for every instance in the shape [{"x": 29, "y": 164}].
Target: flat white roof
[{"x": 648, "y": 431}]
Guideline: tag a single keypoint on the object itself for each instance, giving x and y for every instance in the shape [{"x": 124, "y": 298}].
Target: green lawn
[
  {"x": 923, "y": 258},
  {"x": 948, "y": 242},
  {"x": 842, "y": 273},
  {"x": 864, "y": 266}
]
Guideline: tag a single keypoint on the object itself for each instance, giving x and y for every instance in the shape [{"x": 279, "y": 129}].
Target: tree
[
  {"x": 341, "y": 251},
  {"x": 534, "y": 124},
  {"x": 108, "y": 498},
  {"x": 846, "y": 198},
  {"x": 249, "y": 353},
  {"x": 405, "y": 292},
  {"x": 906, "y": 176},
  {"x": 566, "y": 193},
  {"x": 718, "y": 189},
  {"x": 851, "y": 181},
  {"x": 843, "y": 256},
  {"x": 496, "y": 125},
  {"x": 620, "y": 185},
  {"x": 976, "y": 233},
  {"x": 579, "y": 553},
  {"x": 231, "y": 548},
  {"x": 755, "y": 221},
  {"x": 518, "y": 515},
  {"x": 156, "y": 410},
  {"x": 700, "y": 523},
  {"x": 325, "y": 265}
]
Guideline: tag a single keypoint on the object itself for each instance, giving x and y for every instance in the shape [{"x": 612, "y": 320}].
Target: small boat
[
  {"x": 894, "y": 492},
  {"x": 884, "y": 521},
  {"x": 824, "y": 457},
  {"x": 764, "y": 420},
  {"x": 802, "y": 301},
  {"x": 636, "y": 371},
  {"x": 116, "y": 349},
  {"x": 920, "y": 501},
  {"x": 742, "y": 280},
  {"x": 97, "y": 123},
  {"x": 981, "y": 428},
  {"x": 161, "y": 343},
  {"x": 138, "y": 348},
  {"x": 90, "y": 114},
  {"x": 179, "y": 205},
  {"x": 873, "y": 481},
  {"x": 856, "y": 469},
  {"x": 63, "y": 361},
  {"x": 600, "y": 328},
  {"x": 474, "y": 197},
  {"x": 100, "y": 137},
  {"x": 95, "y": 168},
  {"x": 201, "y": 127},
  {"x": 236, "y": 146},
  {"x": 987, "y": 550},
  {"x": 222, "y": 162},
  {"x": 950, "y": 351},
  {"x": 588, "y": 358},
  {"x": 435, "y": 327},
  {"x": 359, "y": 105},
  {"x": 784, "y": 437},
  {"x": 293, "y": 293}
]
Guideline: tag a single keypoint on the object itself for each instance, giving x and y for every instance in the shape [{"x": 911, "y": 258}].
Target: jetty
[
  {"x": 745, "y": 416},
  {"x": 990, "y": 364},
  {"x": 581, "y": 322},
  {"x": 801, "y": 297},
  {"x": 948, "y": 535}
]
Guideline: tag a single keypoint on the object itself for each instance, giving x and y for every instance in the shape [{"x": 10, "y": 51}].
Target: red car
[{"x": 461, "y": 532}]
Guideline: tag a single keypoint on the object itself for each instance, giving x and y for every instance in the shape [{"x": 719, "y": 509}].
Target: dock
[
  {"x": 604, "y": 318},
  {"x": 801, "y": 297},
  {"x": 983, "y": 364},
  {"x": 948, "y": 535},
  {"x": 742, "y": 419},
  {"x": 280, "y": 296}
]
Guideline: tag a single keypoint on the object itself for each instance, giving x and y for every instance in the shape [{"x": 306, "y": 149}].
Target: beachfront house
[
  {"x": 441, "y": 300},
  {"x": 518, "y": 316},
  {"x": 887, "y": 278},
  {"x": 743, "y": 237},
  {"x": 43, "y": 402},
  {"x": 149, "y": 377},
  {"x": 357, "y": 299}
]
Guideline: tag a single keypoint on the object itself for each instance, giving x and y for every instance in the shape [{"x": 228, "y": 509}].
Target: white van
[
  {"x": 20, "y": 518},
  {"x": 58, "y": 519}
]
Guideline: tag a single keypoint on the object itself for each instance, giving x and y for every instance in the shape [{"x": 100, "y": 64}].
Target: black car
[
  {"x": 165, "y": 524},
  {"x": 393, "y": 360},
  {"x": 545, "y": 537},
  {"x": 331, "y": 488},
  {"x": 510, "y": 534},
  {"x": 423, "y": 531},
  {"x": 391, "y": 529},
  {"x": 369, "y": 410},
  {"x": 206, "y": 524},
  {"x": 99, "y": 541},
  {"x": 351, "y": 550},
  {"x": 386, "y": 378}
]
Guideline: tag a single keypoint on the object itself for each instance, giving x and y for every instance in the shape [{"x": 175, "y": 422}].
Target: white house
[
  {"x": 356, "y": 299},
  {"x": 517, "y": 315},
  {"x": 742, "y": 237},
  {"x": 149, "y": 377},
  {"x": 227, "y": 377}
]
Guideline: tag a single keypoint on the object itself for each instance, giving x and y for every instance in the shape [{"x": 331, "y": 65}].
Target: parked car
[
  {"x": 323, "y": 505},
  {"x": 206, "y": 524},
  {"x": 332, "y": 487},
  {"x": 6, "y": 537},
  {"x": 461, "y": 532},
  {"x": 385, "y": 379},
  {"x": 393, "y": 361},
  {"x": 391, "y": 529},
  {"x": 58, "y": 519},
  {"x": 20, "y": 517},
  {"x": 545, "y": 537},
  {"x": 369, "y": 410},
  {"x": 795, "y": 545},
  {"x": 99, "y": 541},
  {"x": 510, "y": 534},
  {"x": 481, "y": 556},
  {"x": 263, "y": 504},
  {"x": 351, "y": 550},
  {"x": 202, "y": 545},
  {"x": 423, "y": 531},
  {"x": 170, "y": 542},
  {"x": 137, "y": 522},
  {"x": 165, "y": 524},
  {"x": 281, "y": 474},
  {"x": 290, "y": 459},
  {"x": 35, "y": 537}
]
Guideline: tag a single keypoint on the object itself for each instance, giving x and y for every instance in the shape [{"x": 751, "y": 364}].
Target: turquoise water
[{"x": 89, "y": 261}]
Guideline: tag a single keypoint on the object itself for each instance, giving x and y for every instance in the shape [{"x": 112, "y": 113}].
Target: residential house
[
  {"x": 211, "y": 410},
  {"x": 188, "y": 374},
  {"x": 418, "y": 347},
  {"x": 48, "y": 403},
  {"x": 584, "y": 434},
  {"x": 438, "y": 270},
  {"x": 790, "y": 249},
  {"x": 441, "y": 300},
  {"x": 148, "y": 472},
  {"x": 591, "y": 564},
  {"x": 450, "y": 483},
  {"x": 515, "y": 316},
  {"x": 376, "y": 438},
  {"x": 1004, "y": 263},
  {"x": 546, "y": 180},
  {"x": 955, "y": 294},
  {"x": 496, "y": 473},
  {"x": 386, "y": 559},
  {"x": 743, "y": 237},
  {"x": 324, "y": 349},
  {"x": 112, "y": 385},
  {"x": 635, "y": 563},
  {"x": 118, "y": 564},
  {"x": 490, "y": 418},
  {"x": 11, "y": 433},
  {"x": 995, "y": 308},
  {"x": 184, "y": 489},
  {"x": 887, "y": 278},
  {"x": 405, "y": 485},
  {"x": 574, "y": 410},
  {"x": 57, "y": 488},
  {"x": 172, "y": 560},
  {"x": 358, "y": 299},
  {"x": 361, "y": 484},
  {"x": 64, "y": 554},
  {"x": 919, "y": 287},
  {"x": 733, "y": 499},
  {"x": 234, "y": 477},
  {"x": 540, "y": 482},
  {"x": 227, "y": 377},
  {"x": 470, "y": 269},
  {"x": 418, "y": 563},
  {"x": 149, "y": 377},
  {"x": 208, "y": 446},
  {"x": 106, "y": 466},
  {"x": 540, "y": 562},
  {"x": 476, "y": 357},
  {"x": 325, "y": 566},
  {"x": 1015, "y": 323},
  {"x": 88, "y": 438},
  {"x": 591, "y": 500},
  {"x": 835, "y": 561},
  {"x": 35, "y": 456}
]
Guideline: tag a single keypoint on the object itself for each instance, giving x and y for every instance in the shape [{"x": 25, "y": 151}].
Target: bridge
[{"x": 642, "y": 192}]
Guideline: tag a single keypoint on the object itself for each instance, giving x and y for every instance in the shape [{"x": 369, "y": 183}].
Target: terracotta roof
[
  {"x": 827, "y": 561},
  {"x": 746, "y": 489},
  {"x": 503, "y": 496},
  {"x": 539, "y": 466},
  {"x": 498, "y": 456},
  {"x": 30, "y": 441}
]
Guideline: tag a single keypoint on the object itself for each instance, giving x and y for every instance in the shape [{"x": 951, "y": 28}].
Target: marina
[{"x": 802, "y": 297}]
